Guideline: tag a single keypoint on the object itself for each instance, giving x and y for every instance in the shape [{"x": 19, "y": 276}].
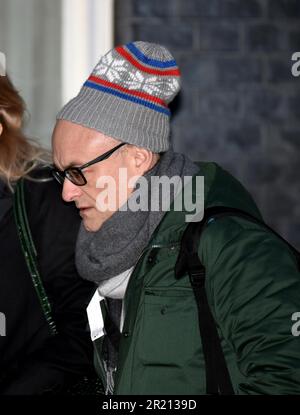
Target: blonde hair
[{"x": 18, "y": 154}]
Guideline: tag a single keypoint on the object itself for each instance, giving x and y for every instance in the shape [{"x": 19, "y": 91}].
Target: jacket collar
[
  {"x": 175, "y": 220},
  {"x": 220, "y": 188}
]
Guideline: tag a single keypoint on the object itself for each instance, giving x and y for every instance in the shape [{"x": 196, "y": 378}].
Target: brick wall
[{"x": 240, "y": 104}]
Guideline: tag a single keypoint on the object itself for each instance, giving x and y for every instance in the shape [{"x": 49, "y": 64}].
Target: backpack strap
[
  {"x": 217, "y": 374},
  {"x": 30, "y": 253}
]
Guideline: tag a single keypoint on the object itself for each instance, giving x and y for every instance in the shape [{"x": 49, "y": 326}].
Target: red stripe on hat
[
  {"x": 127, "y": 91},
  {"x": 161, "y": 72}
]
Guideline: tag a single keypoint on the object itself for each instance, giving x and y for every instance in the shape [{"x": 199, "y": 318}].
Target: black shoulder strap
[
  {"x": 217, "y": 375},
  {"x": 30, "y": 253}
]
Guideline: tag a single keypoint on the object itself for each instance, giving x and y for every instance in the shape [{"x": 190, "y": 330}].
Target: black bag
[
  {"x": 218, "y": 380},
  {"x": 90, "y": 384}
]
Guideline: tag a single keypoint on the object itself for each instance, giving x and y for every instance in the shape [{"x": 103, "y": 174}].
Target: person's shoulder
[
  {"x": 43, "y": 194},
  {"x": 40, "y": 185},
  {"x": 222, "y": 188},
  {"x": 41, "y": 173},
  {"x": 215, "y": 174}
]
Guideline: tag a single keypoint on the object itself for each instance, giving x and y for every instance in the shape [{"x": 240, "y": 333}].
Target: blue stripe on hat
[
  {"x": 153, "y": 62},
  {"x": 127, "y": 97}
]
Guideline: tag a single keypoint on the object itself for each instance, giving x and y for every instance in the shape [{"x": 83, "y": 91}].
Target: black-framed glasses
[{"x": 75, "y": 175}]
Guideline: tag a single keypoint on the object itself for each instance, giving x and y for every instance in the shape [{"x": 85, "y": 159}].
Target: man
[{"x": 119, "y": 122}]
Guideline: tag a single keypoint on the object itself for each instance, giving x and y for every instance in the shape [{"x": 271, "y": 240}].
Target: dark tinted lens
[
  {"x": 58, "y": 176},
  {"x": 75, "y": 176}
]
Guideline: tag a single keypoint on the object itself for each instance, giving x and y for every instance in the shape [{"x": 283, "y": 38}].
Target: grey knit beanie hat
[{"x": 127, "y": 95}]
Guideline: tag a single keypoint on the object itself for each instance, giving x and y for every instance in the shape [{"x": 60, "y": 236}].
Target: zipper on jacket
[
  {"x": 171, "y": 245},
  {"x": 109, "y": 389}
]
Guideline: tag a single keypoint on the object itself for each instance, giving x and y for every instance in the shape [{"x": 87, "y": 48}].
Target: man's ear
[
  {"x": 1, "y": 128},
  {"x": 142, "y": 157}
]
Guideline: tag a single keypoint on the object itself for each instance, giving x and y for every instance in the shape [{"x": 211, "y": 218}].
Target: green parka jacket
[{"x": 253, "y": 288}]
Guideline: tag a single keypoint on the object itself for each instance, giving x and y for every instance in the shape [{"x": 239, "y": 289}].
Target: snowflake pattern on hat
[
  {"x": 110, "y": 68},
  {"x": 128, "y": 68}
]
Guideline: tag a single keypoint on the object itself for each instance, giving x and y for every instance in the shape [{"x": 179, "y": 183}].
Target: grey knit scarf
[{"x": 121, "y": 239}]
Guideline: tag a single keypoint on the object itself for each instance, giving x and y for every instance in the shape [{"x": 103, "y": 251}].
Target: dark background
[{"x": 240, "y": 103}]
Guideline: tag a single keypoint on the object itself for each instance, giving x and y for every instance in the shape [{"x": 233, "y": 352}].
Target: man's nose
[{"x": 70, "y": 191}]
